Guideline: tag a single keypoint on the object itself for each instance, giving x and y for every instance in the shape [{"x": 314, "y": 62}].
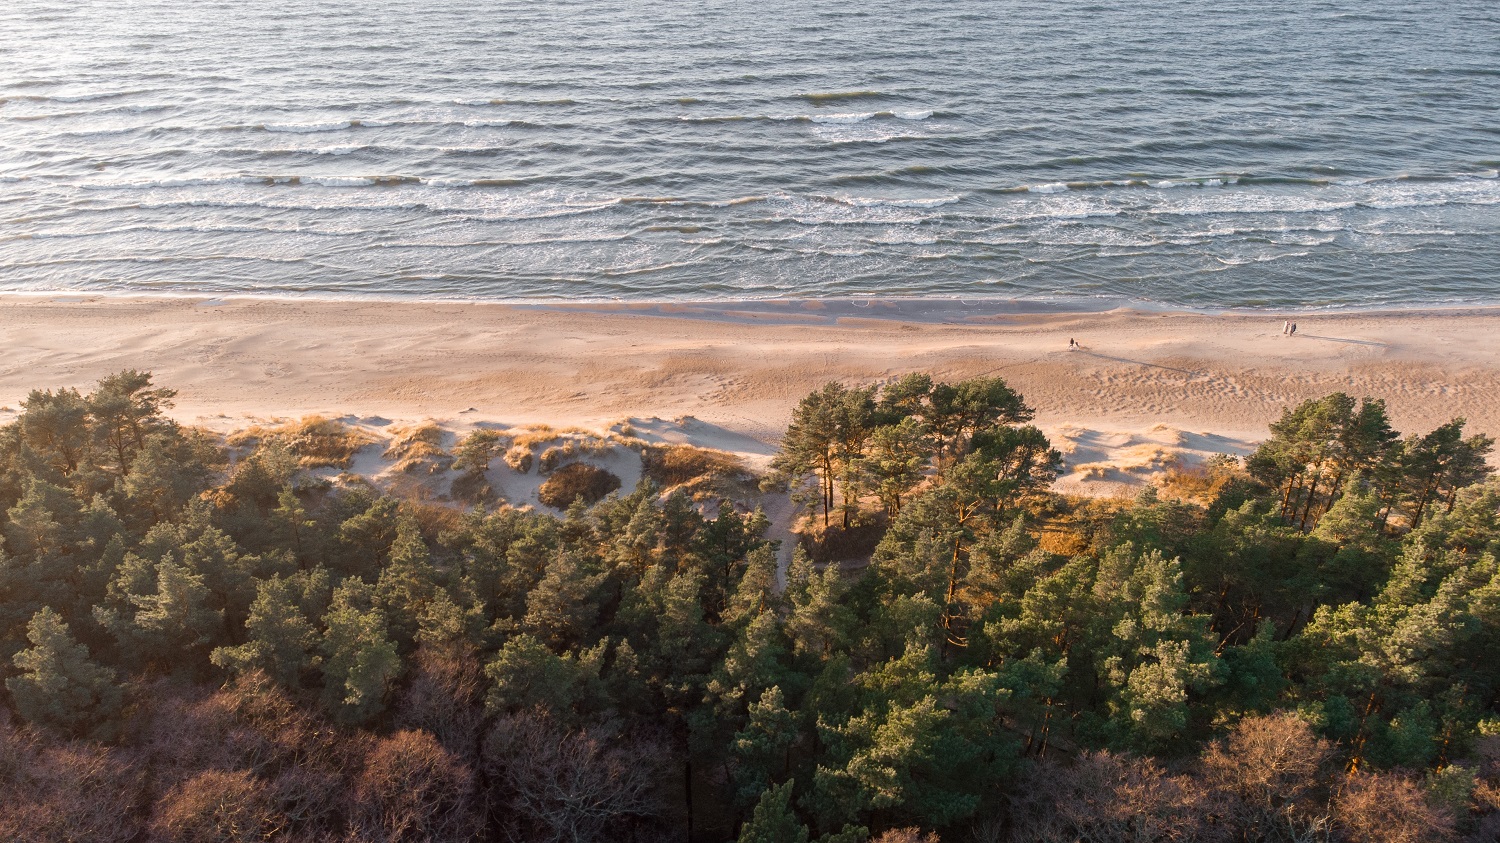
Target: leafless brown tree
[
  {"x": 411, "y": 790},
  {"x": 1265, "y": 777},
  {"x": 1106, "y": 798},
  {"x": 65, "y": 793},
  {"x": 445, "y": 696},
  {"x": 216, "y": 807},
  {"x": 570, "y": 787},
  {"x": 1388, "y": 808},
  {"x": 906, "y": 835}
]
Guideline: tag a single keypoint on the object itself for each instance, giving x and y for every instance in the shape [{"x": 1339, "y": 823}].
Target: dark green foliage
[
  {"x": 59, "y": 685},
  {"x": 270, "y": 652},
  {"x": 773, "y": 820}
]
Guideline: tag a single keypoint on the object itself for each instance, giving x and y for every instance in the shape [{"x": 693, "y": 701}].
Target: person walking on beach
[
  {"x": 1293, "y": 331},
  {"x": 1072, "y": 343},
  {"x": 1286, "y": 327}
]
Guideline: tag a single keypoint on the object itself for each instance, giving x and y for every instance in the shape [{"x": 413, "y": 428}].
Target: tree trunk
[{"x": 1312, "y": 494}]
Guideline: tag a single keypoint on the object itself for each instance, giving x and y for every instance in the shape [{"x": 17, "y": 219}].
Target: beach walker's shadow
[
  {"x": 1342, "y": 339},
  {"x": 1188, "y": 372}
]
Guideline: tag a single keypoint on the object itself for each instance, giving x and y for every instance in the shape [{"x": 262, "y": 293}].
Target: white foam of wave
[
  {"x": 1054, "y": 187},
  {"x": 875, "y": 202},
  {"x": 841, "y": 118},
  {"x": 814, "y": 211},
  {"x": 901, "y": 237},
  {"x": 304, "y": 128},
  {"x": 831, "y": 119},
  {"x": 258, "y": 180},
  {"x": 1245, "y": 261},
  {"x": 1168, "y": 184},
  {"x": 68, "y": 98},
  {"x": 842, "y": 136},
  {"x": 338, "y": 181},
  {"x": 863, "y": 116}
]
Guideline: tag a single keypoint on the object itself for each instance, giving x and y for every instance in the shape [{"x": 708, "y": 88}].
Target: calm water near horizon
[{"x": 1179, "y": 153}]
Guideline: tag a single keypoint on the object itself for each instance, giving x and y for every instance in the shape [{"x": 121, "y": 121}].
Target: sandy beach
[{"x": 1144, "y": 389}]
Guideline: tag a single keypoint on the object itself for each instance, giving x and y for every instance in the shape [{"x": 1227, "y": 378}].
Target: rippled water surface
[{"x": 1178, "y": 152}]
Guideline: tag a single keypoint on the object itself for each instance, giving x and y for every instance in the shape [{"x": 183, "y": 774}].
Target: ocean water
[{"x": 1178, "y": 153}]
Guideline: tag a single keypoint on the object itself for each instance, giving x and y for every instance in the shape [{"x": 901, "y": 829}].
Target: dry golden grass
[
  {"x": 519, "y": 458},
  {"x": 530, "y": 437},
  {"x": 1172, "y": 434},
  {"x": 1201, "y": 483},
  {"x": 674, "y": 465},
  {"x": 1061, "y": 541},
  {"x": 316, "y": 441},
  {"x": 1094, "y": 470},
  {"x": 554, "y": 457},
  {"x": 1138, "y": 459},
  {"x": 418, "y": 449}
]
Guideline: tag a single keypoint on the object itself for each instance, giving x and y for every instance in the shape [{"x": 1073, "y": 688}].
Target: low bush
[
  {"x": 478, "y": 449},
  {"x": 574, "y": 481}
]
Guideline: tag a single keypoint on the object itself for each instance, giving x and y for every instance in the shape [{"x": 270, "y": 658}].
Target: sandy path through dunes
[{"x": 1140, "y": 378}]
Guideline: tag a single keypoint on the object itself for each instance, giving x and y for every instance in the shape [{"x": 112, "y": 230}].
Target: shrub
[
  {"x": 577, "y": 480},
  {"x": 477, "y": 450},
  {"x": 673, "y": 465},
  {"x": 471, "y": 487}
]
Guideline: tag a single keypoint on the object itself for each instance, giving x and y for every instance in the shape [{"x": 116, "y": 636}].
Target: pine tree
[
  {"x": 60, "y": 686},
  {"x": 762, "y": 749},
  {"x": 360, "y": 661},
  {"x": 563, "y": 606},
  {"x": 773, "y": 820},
  {"x": 282, "y": 641},
  {"x": 126, "y": 411},
  {"x": 526, "y": 675}
]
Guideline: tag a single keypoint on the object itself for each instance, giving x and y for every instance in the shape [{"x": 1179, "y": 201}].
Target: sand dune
[{"x": 1143, "y": 387}]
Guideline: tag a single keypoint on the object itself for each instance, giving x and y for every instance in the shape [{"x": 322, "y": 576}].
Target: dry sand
[{"x": 1145, "y": 389}]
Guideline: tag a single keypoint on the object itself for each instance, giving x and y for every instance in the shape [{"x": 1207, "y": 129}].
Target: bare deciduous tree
[
  {"x": 1263, "y": 777},
  {"x": 64, "y": 793},
  {"x": 445, "y": 697},
  {"x": 413, "y": 791},
  {"x": 216, "y": 807},
  {"x": 1388, "y": 808},
  {"x": 1106, "y": 798},
  {"x": 570, "y": 787}
]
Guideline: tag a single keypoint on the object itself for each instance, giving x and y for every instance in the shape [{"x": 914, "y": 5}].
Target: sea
[{"x": 1189, "y": 154}]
